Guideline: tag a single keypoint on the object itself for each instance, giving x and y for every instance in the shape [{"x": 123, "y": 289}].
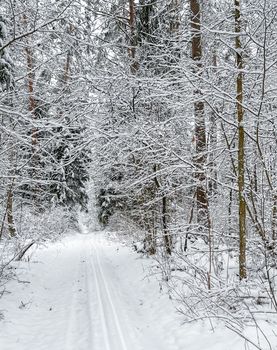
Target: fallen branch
[{"x": 23, "y": 251}]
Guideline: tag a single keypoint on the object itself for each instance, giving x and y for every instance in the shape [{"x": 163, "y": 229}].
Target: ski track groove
[
  {"x": 101, "y": 276},
  {"x": 101, "y": 306},
  {"x": 89, "y": 264}
]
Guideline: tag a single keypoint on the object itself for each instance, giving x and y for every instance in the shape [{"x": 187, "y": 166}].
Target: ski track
[
  {"x": 101, "y": 307},
  {"x": 77, "y": 302},
  {"x": 110, "y": 318}
]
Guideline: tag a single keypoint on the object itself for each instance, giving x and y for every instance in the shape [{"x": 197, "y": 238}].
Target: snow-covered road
[{"x": 90, "y": 293}]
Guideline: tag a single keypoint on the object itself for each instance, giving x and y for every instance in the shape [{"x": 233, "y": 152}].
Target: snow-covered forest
[{"x": 138, "y": 157}]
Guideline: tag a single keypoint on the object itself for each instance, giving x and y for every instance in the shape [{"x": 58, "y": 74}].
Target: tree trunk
[
  {"x": 69, "y": 55},
  {"x": 274, "y": 219},
  {"x": 32, "y": 107},
  {"x": 212, "y": 184},
  {"x": 132, "y": 48},
  {"x": 241, "y": 153},
  {"x": 199, "y": 113},
  {"x": 174, "y": 17},
  {"x": 30, "y": 79},
  {"x": 166, "y": 233},
  {"x": 10, "y": 218},
  {"x": 32, "y": 104}
]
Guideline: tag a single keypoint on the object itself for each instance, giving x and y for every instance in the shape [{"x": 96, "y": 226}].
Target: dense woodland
[{"x": 163, "y": 113}]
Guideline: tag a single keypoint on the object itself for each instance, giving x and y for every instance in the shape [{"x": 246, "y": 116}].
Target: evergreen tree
[
  {"x": 6, "y": 64},
  {"x": 70, "y": 174}
]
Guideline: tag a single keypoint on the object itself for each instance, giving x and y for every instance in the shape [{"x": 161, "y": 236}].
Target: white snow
[{"x": 90, "y": 293}]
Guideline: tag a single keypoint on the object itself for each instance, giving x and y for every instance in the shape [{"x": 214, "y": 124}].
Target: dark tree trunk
[
  {"x": 241, "y": 146},
  {"x": 199, "y": 115}
]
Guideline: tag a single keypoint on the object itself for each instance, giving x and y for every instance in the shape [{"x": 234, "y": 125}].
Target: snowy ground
[{"x": 89, "y": 293}]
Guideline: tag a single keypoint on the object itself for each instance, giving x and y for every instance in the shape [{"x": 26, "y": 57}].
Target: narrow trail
[
  {"x": 84, "y": 293},
  {"x": 88, "y": 292}
]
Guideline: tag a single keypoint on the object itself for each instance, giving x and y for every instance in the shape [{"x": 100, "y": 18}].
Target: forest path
[{"x": 87, "y": 293}]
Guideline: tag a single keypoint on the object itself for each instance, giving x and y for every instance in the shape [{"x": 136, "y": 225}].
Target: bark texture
[
  {"x": 241, "y": 144},
  {"x": 199, "y": 114}
]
